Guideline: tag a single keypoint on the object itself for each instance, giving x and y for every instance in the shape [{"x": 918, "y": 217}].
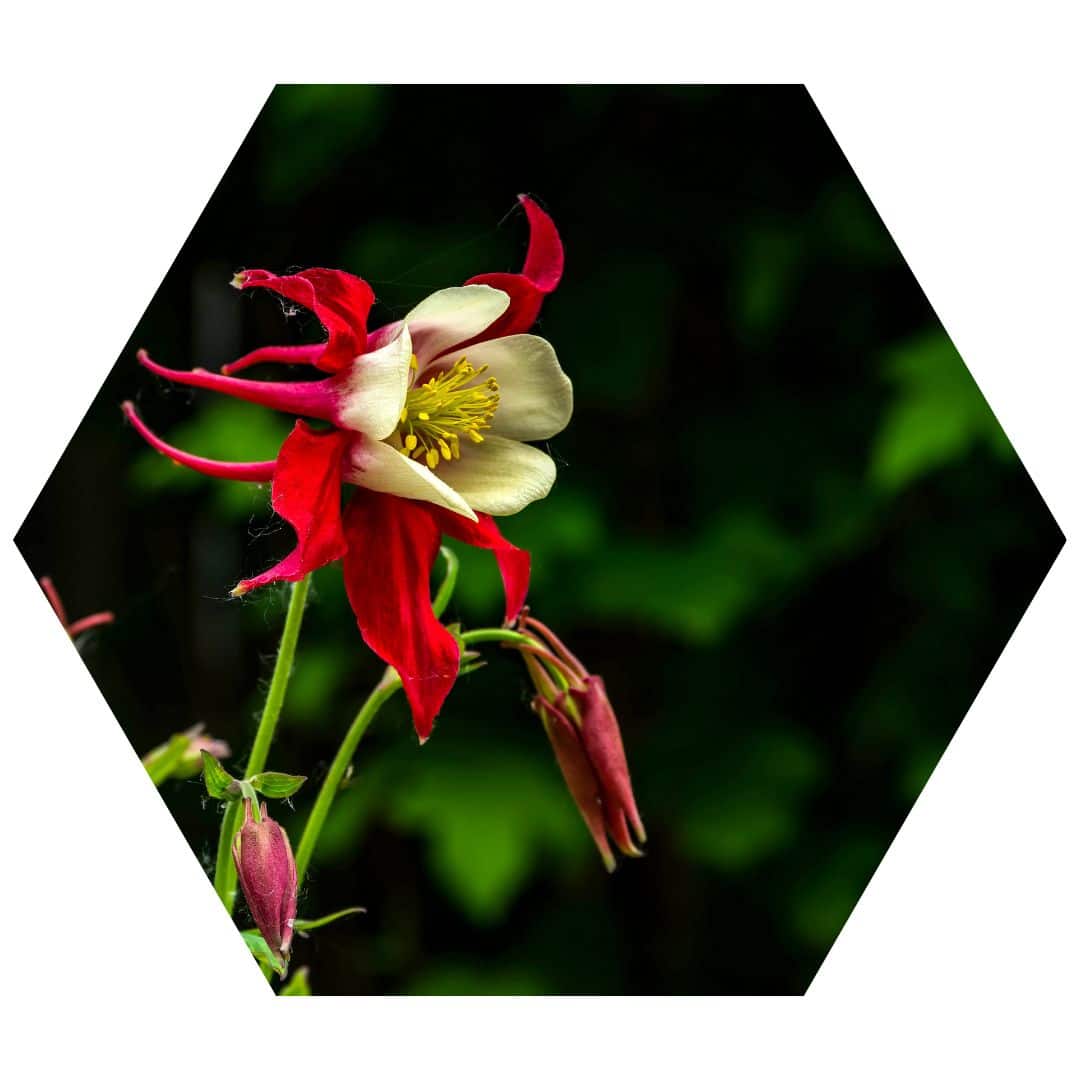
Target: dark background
[{"x": 786, "y": 529}]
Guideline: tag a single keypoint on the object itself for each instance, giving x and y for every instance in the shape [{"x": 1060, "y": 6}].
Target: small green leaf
[
  {"x": 276, "y": 785},
  {"x": 219, "y": 784},
  {"x": 261, "y": 951},
  {"x": 298, "y": 985},
  {"x": 303, "y": 925}
]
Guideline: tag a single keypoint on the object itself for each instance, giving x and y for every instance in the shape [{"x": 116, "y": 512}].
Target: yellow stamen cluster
[{"x": 442, "y": 410}]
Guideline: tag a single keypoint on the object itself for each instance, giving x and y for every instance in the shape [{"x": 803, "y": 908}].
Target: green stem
[
  {"x": 446, "y": 589},
  {"x": 388, "y": 685},
  {"x": 511, "y": 637},
  {"x": 225, "y": 869}
]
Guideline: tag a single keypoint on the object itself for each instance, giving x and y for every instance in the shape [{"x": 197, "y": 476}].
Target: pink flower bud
[
  {"x": 604, "y": 748},
  {"x": 191, "y": 763},
  {"x": 577, "y": 772},
  {"x": 581, "y": 726},
  {"x": 267, "y": 873}
]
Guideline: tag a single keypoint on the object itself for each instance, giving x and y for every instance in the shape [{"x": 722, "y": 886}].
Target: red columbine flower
[
  {"x": 267, "y": 875},
  {"x": 428, "y": 418},
  {"x": 79, "y": 626},
  {"x": 580, "y": 723}
]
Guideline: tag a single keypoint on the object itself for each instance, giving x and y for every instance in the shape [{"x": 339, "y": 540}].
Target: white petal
[
  {"x": 381, "y": 467},
  {"x": 451, "y": 316},
  {"x": 499, "y": 476},
  {"x": 535, "y": 396},
  {"x": 372, "y": 392}
]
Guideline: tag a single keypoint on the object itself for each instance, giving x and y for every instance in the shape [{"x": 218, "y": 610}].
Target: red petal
[
  {"x": 539, "y": 276},
  {"x": 307, "y": 494},
  {"x": 544, "y": 259},
  {"x": 340, "y": 301},
  {"x": 577, "y": 772},
  {"x": 316, "y": 399},
  {"x": 392, "y": 544},
  {"x": 275, "y": 354},
  {"x": 513, "y": 561},
  {"x": 257, "y": 471}
]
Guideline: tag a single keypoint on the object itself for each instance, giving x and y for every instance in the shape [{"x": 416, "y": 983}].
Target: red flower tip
[
  {"x": 238, "y": 279},
  {"x": 80, "y": 626},
  {"x": 240, "y": 590}
]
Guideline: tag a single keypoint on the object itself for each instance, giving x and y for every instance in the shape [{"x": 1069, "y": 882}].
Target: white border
[{"x": 963, "y": 951}]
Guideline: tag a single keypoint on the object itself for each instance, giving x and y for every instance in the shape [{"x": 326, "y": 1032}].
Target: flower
[
  {"x": 80, "y": 626},
  {"x": 267, "y": 874},
  {"x": 430, "y": 418},
  {"x": 584, "y": 733}
]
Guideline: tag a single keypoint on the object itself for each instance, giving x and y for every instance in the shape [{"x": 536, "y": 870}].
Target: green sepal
[
  {"x": 303, "y": 925},
  {"x": 276, "y": 785},
  {"x": 298, "y": 985},
  {"x": 262, "y": 952},
  {"x": 219, "y": 784}
]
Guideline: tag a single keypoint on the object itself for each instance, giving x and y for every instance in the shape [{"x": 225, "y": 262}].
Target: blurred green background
[{"x": 787, "y": 530}]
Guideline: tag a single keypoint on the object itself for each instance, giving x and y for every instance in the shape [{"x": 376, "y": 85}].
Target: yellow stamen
[{"x": 448, "y": 405}]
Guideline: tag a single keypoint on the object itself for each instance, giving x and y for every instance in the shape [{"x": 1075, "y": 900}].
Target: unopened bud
[
  {"x": 581, "y": 726},
  {"x": 267, "y": 873}
]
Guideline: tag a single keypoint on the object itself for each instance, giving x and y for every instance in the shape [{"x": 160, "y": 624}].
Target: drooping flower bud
[
  {"x": 604, "y": 748},
  {"x": 267, "y": 874},
  {"x": 584, "y": 733}
]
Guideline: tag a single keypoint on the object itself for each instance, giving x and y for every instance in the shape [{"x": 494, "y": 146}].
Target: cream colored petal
[
  {"x": 451, "y": 316},
  {"x": 499, "y": 476},
  {"x": 372, "y": 392},
  {"x": 381, "y": 467},
  {"x": 535, "y": 396}
]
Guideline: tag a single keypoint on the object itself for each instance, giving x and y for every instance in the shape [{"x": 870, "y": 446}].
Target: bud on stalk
[
  {"x": 584, "y": 733},
  {"x": 267, "y": 875}
]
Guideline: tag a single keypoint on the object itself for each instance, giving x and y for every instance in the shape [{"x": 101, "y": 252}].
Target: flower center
[{"x": 442, "y": 410}]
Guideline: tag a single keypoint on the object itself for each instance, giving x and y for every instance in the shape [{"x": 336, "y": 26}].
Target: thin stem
[
  {"x": 510, "y": 637},
  {"x": 446, "y": 589},
  {"x": 225, "y": 869},
  {"x": 388, "y": 685}
]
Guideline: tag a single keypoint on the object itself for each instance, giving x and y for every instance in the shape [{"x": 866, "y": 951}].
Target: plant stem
[
  {"x": 511, "y": 637},
  {"x": 388, "y": 685},
  {"x": 446, "y": 589},
  {"x": 224, "y": 869}
]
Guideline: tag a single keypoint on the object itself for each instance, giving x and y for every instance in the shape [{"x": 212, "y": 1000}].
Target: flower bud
[
  {"x": 581, "y": 726},
  {"x": 267, "y": 874},
  {"x": 604, "y": 747},
  {"x": 577, "y": 772},
  {"x": 191, "y": 763}
]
